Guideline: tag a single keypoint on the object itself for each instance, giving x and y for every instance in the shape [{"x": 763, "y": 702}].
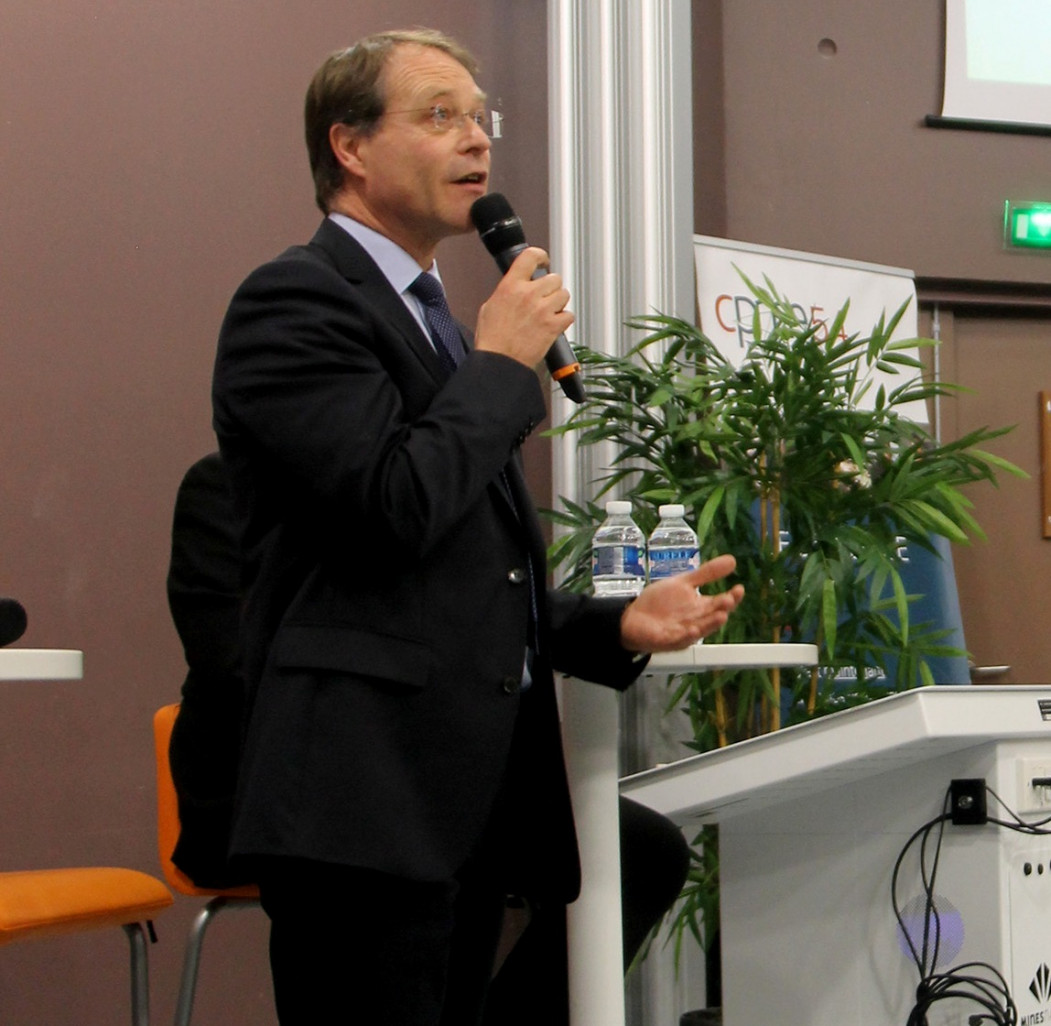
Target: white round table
[
  {"x": 727, "y": 657},
  {"x": 590, "y": 722},
  {"x": 41, "y": 664}
]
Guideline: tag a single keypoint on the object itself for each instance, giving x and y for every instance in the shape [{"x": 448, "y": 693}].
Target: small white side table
[
  {"x": 41, "y": 664},
  {"x": 589, "y": 727}
]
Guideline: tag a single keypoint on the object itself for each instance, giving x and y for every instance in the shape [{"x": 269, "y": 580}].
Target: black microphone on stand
[
  {"x": 12, "y": 620},
  {"x": 501, "y": 231}
]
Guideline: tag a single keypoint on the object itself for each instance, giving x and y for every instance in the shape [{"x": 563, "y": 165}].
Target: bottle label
[
  {"x": 617, "y": 561},
  {"x": 668, "y": 562}
]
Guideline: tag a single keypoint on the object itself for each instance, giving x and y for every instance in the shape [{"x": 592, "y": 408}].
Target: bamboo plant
[{"x": 805, "y": 466}]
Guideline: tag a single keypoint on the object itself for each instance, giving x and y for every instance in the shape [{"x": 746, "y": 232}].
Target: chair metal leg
[
  {"x": 140, "y": 975},
  {"x": 192, "y": 959}
]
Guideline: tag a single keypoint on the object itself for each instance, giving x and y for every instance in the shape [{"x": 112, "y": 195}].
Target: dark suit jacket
[
  {"x": 388, "y": 596},
  {"x": 204, "y": 595}
]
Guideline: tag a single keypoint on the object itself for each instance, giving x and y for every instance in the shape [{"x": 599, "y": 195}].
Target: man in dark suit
[
  {"x": 402, "y": 770},
  {"x": 204, "y": 594}
]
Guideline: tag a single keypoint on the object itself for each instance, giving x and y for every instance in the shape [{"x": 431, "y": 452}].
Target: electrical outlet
[{"x": 1034, "y": 798}]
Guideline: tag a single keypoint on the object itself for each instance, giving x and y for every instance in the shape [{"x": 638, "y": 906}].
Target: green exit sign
[{"x": 1028, "y": 225}]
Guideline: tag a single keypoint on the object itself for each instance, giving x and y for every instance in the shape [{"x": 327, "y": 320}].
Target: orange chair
[
  {"x": 167, "y": 835},
  {"x": 47, "y": 902}
]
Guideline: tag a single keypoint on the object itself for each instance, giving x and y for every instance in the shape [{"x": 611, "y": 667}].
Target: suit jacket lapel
[
  {"x": 351, "y": 260},
  {"x": 360, "y": 270}
]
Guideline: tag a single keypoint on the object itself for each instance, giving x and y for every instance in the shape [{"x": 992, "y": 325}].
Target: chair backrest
[{"x": 168, "y": 813}]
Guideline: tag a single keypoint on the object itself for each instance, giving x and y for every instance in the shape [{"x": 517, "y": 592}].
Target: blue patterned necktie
[{"x": 448, "y": 342}]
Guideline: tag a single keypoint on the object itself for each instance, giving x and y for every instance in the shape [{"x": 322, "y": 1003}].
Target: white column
[
  {"x": 621, "y": 175},
  {"x": 621, "y": 236}
]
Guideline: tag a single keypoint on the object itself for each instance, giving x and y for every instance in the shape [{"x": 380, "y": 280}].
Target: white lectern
[{"x": 811, "y": 821}]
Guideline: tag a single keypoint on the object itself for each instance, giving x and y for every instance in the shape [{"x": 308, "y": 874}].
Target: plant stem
[
  {"x": 811, "y": 702},
  {"x": 775, "y": 675},
  {"x": 720, "y": 714}
]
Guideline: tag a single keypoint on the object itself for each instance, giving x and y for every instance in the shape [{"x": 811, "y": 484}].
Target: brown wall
[
  {"x": 830, "y": 154},
  {"x": 150, "y": 156},
  {"x": 809, "y": 135}
]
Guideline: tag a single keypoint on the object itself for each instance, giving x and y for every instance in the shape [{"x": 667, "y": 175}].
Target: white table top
[
  {"x": 41, "y": 664},
  {"x": 712, "y": 656}
]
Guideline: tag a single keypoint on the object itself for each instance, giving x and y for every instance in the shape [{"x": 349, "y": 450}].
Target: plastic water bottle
[
  {"x": 673, "y": 544},
  {"x": 618, "y": 553}
]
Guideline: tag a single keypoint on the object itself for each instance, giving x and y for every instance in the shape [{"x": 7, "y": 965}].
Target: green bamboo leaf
[
  {"x": 709, "y": 511},
  {"x": 896, "y": 319},
  {"x": 934, "y": 520},
  {"x": 899, "y": 359},
  {"x": 1000, "y": 463},
  {"x": 901, "y": 602}
]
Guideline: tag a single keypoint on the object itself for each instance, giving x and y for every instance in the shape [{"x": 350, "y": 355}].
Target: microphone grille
[
  {"x": 499, "y": 227},
  {"x": 490, "y": 210}
]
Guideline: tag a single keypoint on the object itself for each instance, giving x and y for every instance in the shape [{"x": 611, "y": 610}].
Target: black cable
[
  {"x": 930, "y": 909},
  {"x": 989, "y": 992},
  {"x": 924, "y": 832},
  {"x": 1018, "y": 824}
]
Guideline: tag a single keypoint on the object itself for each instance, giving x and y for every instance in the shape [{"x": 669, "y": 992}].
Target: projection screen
[{"x": 998, "y": 63}]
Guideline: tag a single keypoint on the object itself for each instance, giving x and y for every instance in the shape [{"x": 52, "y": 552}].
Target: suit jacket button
[
  {"x": 516, "y": 575},
  {"x": 511, "y": 685}
]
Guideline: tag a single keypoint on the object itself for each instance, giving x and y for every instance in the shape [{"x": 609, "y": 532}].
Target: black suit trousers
[{"x": 353, "y": 946}]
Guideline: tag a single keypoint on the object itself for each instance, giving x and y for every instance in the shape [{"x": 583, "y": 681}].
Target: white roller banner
[{"x": 817, "y": 286}]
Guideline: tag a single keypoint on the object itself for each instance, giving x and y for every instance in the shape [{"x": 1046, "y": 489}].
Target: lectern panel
[{"x": 812, "y": 821}]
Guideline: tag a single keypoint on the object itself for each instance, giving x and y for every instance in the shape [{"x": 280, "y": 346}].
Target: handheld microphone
[
  {"x": 12, "y": 620},
  {"x": 501, "y": 231}
]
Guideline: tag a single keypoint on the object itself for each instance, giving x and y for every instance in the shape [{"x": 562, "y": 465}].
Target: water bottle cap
[
  {"x": 675, "y": 509},
  {"x": 617, "y": 507}
]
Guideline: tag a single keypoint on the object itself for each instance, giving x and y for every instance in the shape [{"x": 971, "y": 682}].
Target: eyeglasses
[{"x": 444, "y": 119}]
